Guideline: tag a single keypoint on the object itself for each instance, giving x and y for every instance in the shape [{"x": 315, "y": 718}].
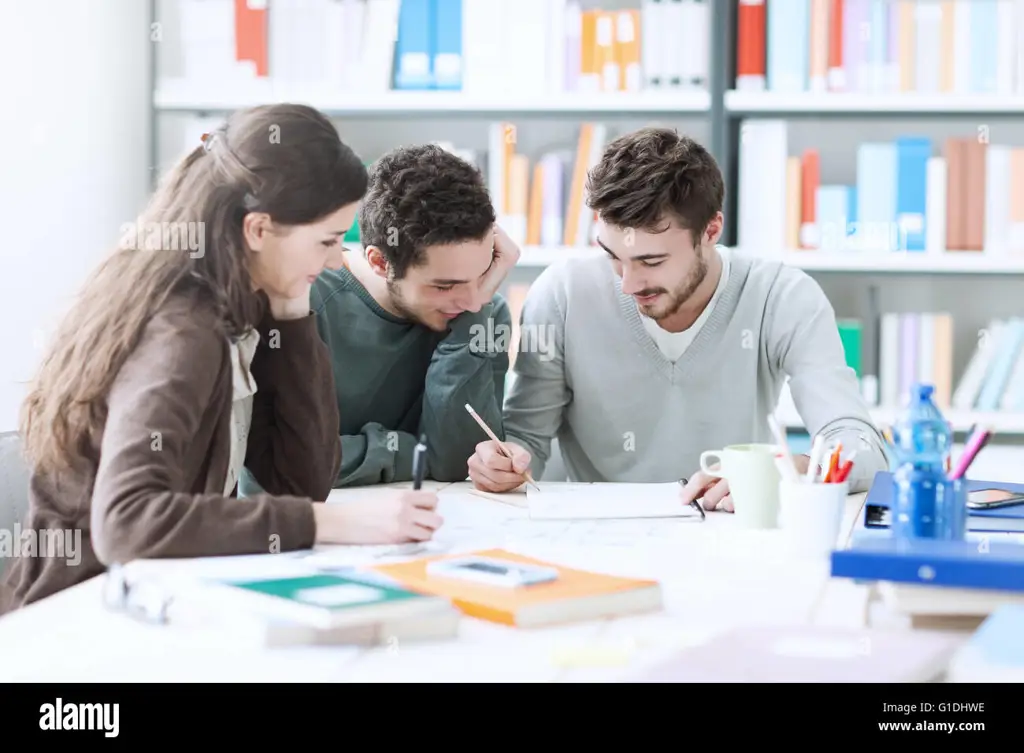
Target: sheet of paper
[
  {"x": 346, "y": 557},
  {"x": 515, "y": 497},
  {"x": 592, "y": 501}
]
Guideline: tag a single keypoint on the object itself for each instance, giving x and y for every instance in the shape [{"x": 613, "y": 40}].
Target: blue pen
[{"x": 419, "y": 462}]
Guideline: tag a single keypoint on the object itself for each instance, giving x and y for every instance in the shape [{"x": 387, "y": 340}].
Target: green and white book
[{"x": 329, "y": 600}]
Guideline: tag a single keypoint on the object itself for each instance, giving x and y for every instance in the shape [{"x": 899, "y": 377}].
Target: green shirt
[{"x": 396, "y": 379}]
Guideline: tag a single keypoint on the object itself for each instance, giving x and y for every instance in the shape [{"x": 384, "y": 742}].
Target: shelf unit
[
  {"x": 887, "y": 104},
  {"x": 178, "y": 96},
  {"x": 723, "y": 110},
  {"x": 951, "y": 262},
  {"x": 1003, "y": 424}
]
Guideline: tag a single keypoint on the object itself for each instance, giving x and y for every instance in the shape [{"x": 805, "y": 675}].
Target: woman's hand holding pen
[{"x": 398, "y": 516}]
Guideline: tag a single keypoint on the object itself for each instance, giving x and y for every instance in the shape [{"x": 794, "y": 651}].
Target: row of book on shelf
[
  {"x": 924, "y": 46},
  {"x": 474, "y": 46},
  {"x": 912, "y": 194},
  {"x": 891, "y": 351},
  {"x": 909, "y": 195},
  {"x": 539, "y": 203}
]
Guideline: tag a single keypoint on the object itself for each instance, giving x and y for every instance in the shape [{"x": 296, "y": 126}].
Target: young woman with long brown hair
[{"x": 182, "y": 362}]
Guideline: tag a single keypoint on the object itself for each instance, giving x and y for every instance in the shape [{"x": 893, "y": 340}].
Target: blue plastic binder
[
  {"x": 995, "y": 566},
  {"x": 1003, "y": 519},
  {"x": 414, "y": 48}
]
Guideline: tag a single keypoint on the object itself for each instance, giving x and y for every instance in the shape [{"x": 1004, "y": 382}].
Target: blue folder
[
  {"x": 996, "y": 566},
  {"x": 1003, "y": 519}
]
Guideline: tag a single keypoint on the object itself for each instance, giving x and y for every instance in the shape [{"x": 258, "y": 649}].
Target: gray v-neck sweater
[{"x": 623, "y": 412}]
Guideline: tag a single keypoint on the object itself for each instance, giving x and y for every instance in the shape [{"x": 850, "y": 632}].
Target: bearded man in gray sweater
[{"x": 670, "y": 344}]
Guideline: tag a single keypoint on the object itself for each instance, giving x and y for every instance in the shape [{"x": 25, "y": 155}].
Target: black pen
[
  {"x": 694, "y": 503},
  {"x": 419, "y": 462}
]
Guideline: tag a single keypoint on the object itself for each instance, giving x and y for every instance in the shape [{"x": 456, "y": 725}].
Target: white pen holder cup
[{"x": 811, "y": 516}]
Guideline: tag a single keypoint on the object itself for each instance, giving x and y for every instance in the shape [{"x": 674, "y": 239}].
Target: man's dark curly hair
[{"x": 421, "y": 196}]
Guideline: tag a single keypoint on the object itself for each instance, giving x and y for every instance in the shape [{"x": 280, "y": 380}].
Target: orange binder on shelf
[
  {"x": 752, "y": 25},
  {"x": 251, "y": 35},
  {"x": 576, "y": 595},
  {"x": 810, "y": 180},
  {"x": 627, "y": 50}
]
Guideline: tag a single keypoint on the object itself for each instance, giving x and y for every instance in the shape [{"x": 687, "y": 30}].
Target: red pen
[{"x": 843, "y": 472}]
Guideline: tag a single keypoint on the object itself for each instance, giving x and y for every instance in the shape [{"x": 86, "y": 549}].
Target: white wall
[{"x": 74, "y": 130}]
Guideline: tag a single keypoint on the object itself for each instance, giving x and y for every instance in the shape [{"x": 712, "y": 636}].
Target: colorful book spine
[{"x": 883, "y": 46}]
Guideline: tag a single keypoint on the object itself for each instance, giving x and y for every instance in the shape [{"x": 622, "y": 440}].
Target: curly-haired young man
[
  {"x": 406, "y": 321},
  {"x": 672, "y": 344}
]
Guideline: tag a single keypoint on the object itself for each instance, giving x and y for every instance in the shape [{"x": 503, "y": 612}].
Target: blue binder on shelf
[
  {"x": 1000, "y": 520},
  {"x": 994, "y": 566},
  {"x": 414, "y": 47},
  {"x": 447, "y": 63}
]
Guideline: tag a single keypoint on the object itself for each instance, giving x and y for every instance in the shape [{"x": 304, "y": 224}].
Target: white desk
[{"x": 714, "y": 577}]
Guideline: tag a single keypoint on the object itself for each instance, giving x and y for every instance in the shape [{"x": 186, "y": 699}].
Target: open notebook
[{"x": 593, "y": 501}]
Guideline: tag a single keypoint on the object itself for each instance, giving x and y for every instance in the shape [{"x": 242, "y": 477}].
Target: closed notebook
[
  {"x": 327, "y": 600},
  {"x": 1008, "y": 519},
  {"x": 992, "y": 566},
  {"x": 809, "y": 654},
  {"x": 576, "y": 595}
]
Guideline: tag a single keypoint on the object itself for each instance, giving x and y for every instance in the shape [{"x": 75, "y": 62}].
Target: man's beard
[
  {"x": 681, "y": 295},
  {"x": 404, "y": 310}
]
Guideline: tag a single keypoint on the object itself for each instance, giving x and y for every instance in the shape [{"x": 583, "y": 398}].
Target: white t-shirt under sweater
[{"x": 674, "y": 344}]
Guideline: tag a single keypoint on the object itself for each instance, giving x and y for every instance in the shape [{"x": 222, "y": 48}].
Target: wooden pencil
[{"x": 501, "y": 445}]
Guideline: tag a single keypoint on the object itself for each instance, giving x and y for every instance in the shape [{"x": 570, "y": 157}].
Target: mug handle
[{"x": 716, "y": 454}]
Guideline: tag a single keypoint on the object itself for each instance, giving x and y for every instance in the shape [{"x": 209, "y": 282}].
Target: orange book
[
  {"x": 575, "y": 595},
  {"x": 590, "y": 70},
  {"x": 627, "y": 49},
  {"x": 836, "y": 72},
  {"x": 975, "y": 160},
  {"x": 956, "y": 178},
  {"x": 751, "y": 32},
  {"x": 535, "y": 212},
  {"x": 578, "y": 186},
  {"x": 509, "y": 153},
  {"x": 810, "y": 179},
  {"x": 251, "y": 34}
]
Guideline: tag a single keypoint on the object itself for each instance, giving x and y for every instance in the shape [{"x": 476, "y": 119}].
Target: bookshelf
[
  {"x": 882, "y": 103},
  {"x": 179, "y": 96},
  {"x": 949, "y": 263},
  {"x": 828, "y": 104},
  {"x": 1002, "y": 423}
]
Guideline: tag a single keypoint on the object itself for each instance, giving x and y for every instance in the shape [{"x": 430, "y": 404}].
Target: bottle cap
[{"x": 923, "y": 391}]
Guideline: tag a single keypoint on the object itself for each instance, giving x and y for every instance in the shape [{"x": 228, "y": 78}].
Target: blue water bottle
[{"x": 927, "y": 504}]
